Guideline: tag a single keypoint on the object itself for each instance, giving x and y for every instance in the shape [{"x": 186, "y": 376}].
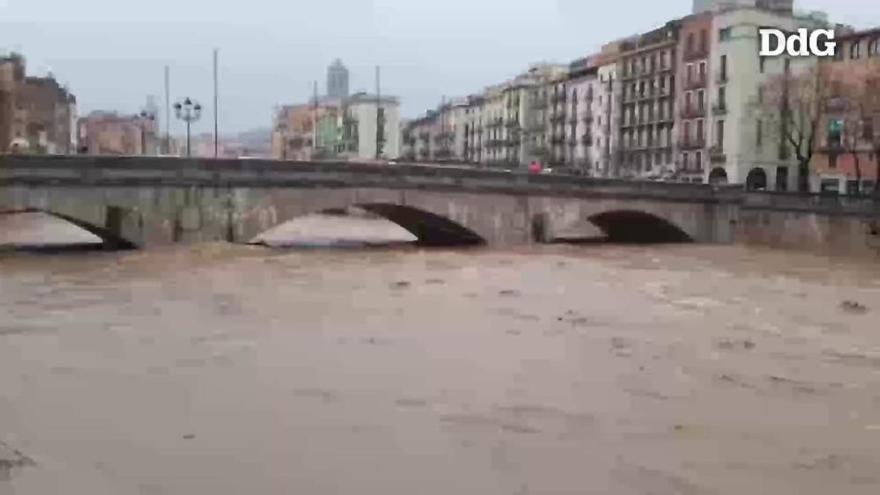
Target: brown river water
[{"x": 220, "y": 369}]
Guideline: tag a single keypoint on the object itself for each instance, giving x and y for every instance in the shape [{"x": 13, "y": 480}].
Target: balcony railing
[
  {"x": 557, "y": 117},
  {"x": 693, "y": 112},
  {"x": 691, "y": 144},
  {"x": 721, "y": 77},
  {"x": 716, "y": 154},
  {"x": 587, "y": 139},
  {"x": 719, "y": 109},
  {"x": 699, "y": 53},
  {"x": 695, "y": 82}
]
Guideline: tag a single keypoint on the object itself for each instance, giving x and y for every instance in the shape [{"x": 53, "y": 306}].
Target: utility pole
[
  {"x": 378, "y": 116},
  {"x": 216, "y": 107},
  {"x": 167, "y": 110}
]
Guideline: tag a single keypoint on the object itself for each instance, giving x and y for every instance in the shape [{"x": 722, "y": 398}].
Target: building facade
[
  {"x": 647, "y": 67},
  {"x": 108, "y": 133},
  {"x": 744, "y": 147},
  {"x": 37, "y": 114},
  {"x": 693, "y": 98},
  {"x": 848, "y": 158}
]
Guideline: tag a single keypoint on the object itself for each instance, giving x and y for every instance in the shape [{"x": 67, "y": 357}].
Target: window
[
  {"x": 719, "y": 134},
  {"x": 724, "y": 34},
  {"x": 759, "y": 136},
  {"x": 724, "y": 68},
  {"x": 687, "y": 132},
  {"x": 855, "y": 50},
  {"x": 690, "y": 73},
  {"x": 699, "y": 130},
  {"x": 874, "y": 48},
  {"x": 685, "y": 161},
  {"x": 688, "y": 100},
  {"x": 722, "y": 98},
  {"x": 690, "y": 43},
  {"x": 703, "y": 41},
  {"x": 702, "y": 71},
  {"x": 852, "y": 187},
  {"x": 701, "y": 100},
  {"x": 698, "y": 160}
]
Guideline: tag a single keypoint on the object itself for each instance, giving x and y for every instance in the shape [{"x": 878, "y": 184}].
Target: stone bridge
[{"x": 144, "y": 201}]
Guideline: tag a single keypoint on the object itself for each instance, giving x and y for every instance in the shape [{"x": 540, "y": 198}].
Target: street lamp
[
  {"x": 145, "y": 118},
  {"x": 188, "y": 111}
]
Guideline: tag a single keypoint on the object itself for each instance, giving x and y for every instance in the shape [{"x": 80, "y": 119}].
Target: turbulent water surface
[{"x": 217, "y": 369}]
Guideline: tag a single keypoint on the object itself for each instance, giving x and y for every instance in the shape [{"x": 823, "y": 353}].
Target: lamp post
[
  {"x": 145, "y": 118},
  {"x": 188, "y": 111}
]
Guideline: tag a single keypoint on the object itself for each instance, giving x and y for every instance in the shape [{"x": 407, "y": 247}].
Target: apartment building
[
  {"x": 607, "y": 102},
  {"x": 108, "y": 133},
  {"x": 743, "y": 149},
  {"x": 582, "y": 154},
  {"x": 376, "y": 126},
  {"x": 847, "y": 160},
  {"x": 12, "y": 124},
  {"x": 693, "y": 96},
  {"x": 37, "y": 114},
  {"x": 293, "y": 132},
  {"x": 647, "y": 66},
  {"x": 473, "y": 131}
]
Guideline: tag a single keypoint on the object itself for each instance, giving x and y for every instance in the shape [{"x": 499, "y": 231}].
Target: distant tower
[{"x": 337, "y": 80}]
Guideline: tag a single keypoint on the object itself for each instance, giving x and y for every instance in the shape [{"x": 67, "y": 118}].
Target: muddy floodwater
[{"x": 218, "y": 369}]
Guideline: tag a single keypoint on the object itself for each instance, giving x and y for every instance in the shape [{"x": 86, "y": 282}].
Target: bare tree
[
  {"x": 792, "y": 107},
  {"x": 871, "y": 116},
  {"x": 854, "y": 110}
]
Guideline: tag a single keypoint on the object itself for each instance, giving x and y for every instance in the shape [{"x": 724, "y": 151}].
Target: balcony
[
  {"x": 695, "y": 83},
  {"x": 693, "y": 112},
  {"x": 557, "y": 98},
  {"x": 699, "y": 53},
  {"x": 587, "y": 139},
  {"x": 557, "y": 118},
  {"x": 719, "y": 109},
  {"x": 716, "y": 154},
  {"x": 691, "y": 144},
  {"x": 721, "y": 77},
  {"x": 511, "y": 123}
]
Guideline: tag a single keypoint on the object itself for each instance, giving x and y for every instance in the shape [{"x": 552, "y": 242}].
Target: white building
[
  {"x": 362, "y": 109},
  {"x": 740, "y": 144}
]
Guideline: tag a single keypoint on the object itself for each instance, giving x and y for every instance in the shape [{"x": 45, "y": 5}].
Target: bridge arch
[
  {"x": 429, "y": 229},
  {"x": 107, "y": 234},
  {"x": 638, "y": 227}
]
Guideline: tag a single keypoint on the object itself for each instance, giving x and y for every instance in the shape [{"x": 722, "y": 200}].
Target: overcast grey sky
[{"x": 112, "y": 52}]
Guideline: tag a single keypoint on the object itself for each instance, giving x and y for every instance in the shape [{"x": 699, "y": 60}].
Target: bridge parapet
[{"x": 138, "y": 171}]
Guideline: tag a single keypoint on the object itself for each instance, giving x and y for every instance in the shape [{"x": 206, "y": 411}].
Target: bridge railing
[
  {"x": 824, "y": 203},
  {"x": 102, "y": 170}
]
